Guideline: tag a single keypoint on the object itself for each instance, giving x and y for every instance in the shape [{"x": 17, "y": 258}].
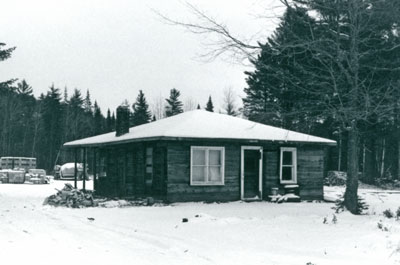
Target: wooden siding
[
  {"x": 178, "y": 168},
  {"x": 125, "y": 167},
  {"x": 310, "y": 171},
  {"x": 171, "y": 171}
]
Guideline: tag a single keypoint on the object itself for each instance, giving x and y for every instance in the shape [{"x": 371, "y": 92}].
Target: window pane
[
  {"x": 149, "y": 151},
  {"x": 149, "y": 160},
  {"x": 214, "y": 157},
  {"x": 198, "y": 173},
  {"x": 287, "y": 173},
  {"x": 214, "y": 174},
  {"x": 149, "y": 169},
  {"x": 199, "y": 157},
  {"x": 287, "y": 158}
]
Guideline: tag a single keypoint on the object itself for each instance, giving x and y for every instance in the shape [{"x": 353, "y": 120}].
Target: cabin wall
[
  {"x": 171, "y": 171},
  {"x": 125, "y": 170},
  {"x": 178, "y": 170},
  {"x": 310, "y": 171}
]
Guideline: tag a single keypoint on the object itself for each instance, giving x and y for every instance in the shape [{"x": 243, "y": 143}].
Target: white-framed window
[
  {"x": 288, "y": 165},
  {"x": 207, "y": 165}
]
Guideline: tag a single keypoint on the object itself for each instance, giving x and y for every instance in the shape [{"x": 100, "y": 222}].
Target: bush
[
  {"x": 388, "y": 213},
  {"x": 398, "y": 213},
  {"x": 335, "y": 178}
]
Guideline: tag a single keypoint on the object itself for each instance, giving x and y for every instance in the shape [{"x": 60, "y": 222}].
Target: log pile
[
  {"x": 335, "y": 178},
  {"x": 71, "y": 197}
]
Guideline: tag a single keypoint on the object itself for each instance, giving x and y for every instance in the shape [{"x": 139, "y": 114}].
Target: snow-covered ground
[{"x": 226, "y": 233}]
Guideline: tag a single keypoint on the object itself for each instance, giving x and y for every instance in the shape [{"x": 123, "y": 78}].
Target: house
[{"x": 206, "y": 156}]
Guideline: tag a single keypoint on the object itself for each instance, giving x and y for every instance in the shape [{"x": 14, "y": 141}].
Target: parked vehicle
[{"x": 67, "y": 171}]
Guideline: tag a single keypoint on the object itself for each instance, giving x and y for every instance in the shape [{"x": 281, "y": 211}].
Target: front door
[{"x": 251, "y": 173}]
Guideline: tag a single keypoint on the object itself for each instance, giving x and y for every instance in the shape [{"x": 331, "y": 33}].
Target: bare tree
[
  {"x": 158, "y": 107},
  {"x": 189, "y": 104},
  {"x": 223, "y": 41},
  {"x": 229, "y": 102}
]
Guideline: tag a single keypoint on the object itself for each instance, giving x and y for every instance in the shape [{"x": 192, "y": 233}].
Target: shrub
[
  {"x": 388, "y": 213},
  {"x": 398, "y": 213}
]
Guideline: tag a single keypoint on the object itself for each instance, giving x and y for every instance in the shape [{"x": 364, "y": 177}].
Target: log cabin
[{"x": 205, "y": 156}]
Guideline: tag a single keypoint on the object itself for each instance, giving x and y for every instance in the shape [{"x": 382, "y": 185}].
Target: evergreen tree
[
  {"x": 98, "y": 120},
  {"x": 87, "y": 103},
  {"x": 109, "y": 122},
  {"x": 154, "y": 118},
  {"x": 50, "y": 140},
  {"x": 174, "y": 105},
  {"x": 113, "y": 120},
  {"x": 198, "y": 106},
  {"x": 65, "y": 99},
  {"x": 23, "y": 88},
  {"x": 141, "y": 113},
  {"x": 209, "y": 106},
  {"x": 4, "y": 55}
]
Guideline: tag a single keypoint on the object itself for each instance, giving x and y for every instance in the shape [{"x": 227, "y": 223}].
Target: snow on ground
[{"x": 226, "y": 233}]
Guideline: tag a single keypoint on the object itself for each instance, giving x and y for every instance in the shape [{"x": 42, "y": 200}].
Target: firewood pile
[
  {"x": 71, "y": 197},
  {"x": 335, "y": 178}
]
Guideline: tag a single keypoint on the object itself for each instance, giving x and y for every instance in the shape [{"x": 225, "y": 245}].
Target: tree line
[{"x": 38, "y": 127}]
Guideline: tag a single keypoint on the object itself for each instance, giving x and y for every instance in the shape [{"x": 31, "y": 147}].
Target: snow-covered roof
[{"x": 202, "y": 124}]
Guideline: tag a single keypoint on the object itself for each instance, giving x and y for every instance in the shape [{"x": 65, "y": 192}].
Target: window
[
  {"x": 149, "y": 165},
  {"x": 288, "y": 165},
  {"x": 103, "y": 164},
  {"x": 207, "y": 165}
]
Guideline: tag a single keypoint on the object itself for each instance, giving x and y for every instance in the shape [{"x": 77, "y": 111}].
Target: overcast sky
[{"x": 115, "y": 48}]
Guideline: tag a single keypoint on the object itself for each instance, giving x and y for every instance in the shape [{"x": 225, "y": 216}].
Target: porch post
[
  {"x": 84, "y": 168},
  {"x": 94, "y": 169},
  {"x": 76, "y": 168}
]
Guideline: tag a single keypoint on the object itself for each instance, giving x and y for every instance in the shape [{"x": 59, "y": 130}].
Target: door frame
[{"x": 260, "y": 186}]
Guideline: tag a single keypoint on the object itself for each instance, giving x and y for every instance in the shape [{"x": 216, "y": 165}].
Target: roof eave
[{"x": 169, "y": 138}]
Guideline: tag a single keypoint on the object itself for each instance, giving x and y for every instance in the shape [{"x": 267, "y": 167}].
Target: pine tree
[
  {"x": 23, "y": 88},
  {"x": 141, "y": 113},
  {"x": 174, "y": 105},
  {"x": 113, "y": 121},
  {"x": 198, "y": 106},
  {"x": 109, "y": 122},
  {"x": 4, "y": 55},
  {"x": 209, "y": 106},
  {"x": 65, "y": 99},
  {"x": 98, "y": 120},
  {"x": 154, "y": 118},
  {"x": 50, "y": 138},
  {"x": 87, "y": 103}
]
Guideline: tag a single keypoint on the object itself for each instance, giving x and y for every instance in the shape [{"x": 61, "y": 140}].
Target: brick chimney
[{"x": 122, "y": 122}]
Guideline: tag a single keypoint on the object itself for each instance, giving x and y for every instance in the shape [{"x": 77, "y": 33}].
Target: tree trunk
[
  {"x": 350, "y": 196},
  {"x": 382, "y": 172},
  {"x": 370, "y": 165}
]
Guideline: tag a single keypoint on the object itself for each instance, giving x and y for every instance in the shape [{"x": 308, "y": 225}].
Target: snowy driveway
[{"x": 227, "y": 233}]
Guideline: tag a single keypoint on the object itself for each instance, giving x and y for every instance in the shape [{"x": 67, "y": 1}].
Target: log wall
[
  {"x": 178, "y": 168},
  {"x": 171, "y": 171}
]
